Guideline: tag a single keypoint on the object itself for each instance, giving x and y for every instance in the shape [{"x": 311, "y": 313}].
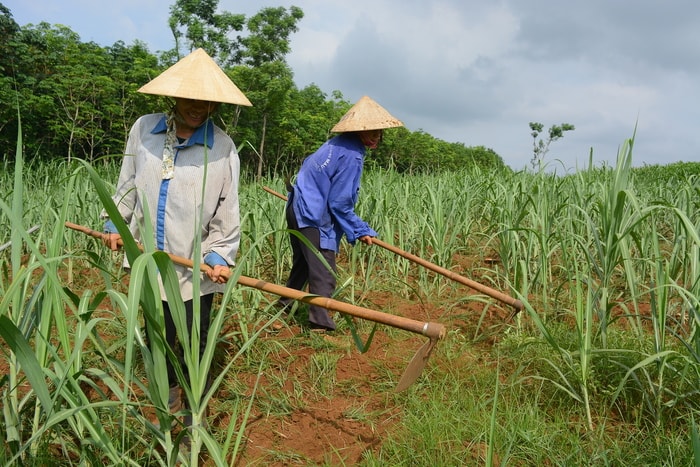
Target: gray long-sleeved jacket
[{"x": 174, "y": 206}]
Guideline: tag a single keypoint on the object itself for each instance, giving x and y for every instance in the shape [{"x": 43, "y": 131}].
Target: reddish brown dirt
[{"x": 324, "y": 432}]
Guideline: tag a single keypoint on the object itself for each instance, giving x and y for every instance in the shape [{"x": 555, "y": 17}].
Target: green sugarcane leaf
[
  {"x": 362, "y": 347},
  {"x": 27, "y": 360}
]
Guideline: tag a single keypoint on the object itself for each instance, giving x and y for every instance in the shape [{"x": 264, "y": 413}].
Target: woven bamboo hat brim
[
  {"x": 366, "y": 114},
  {"x": 196, "y": 76}
]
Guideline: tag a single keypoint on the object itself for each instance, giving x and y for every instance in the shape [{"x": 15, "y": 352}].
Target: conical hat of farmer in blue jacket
[
  {"x": 366, "y": 114},
  {"x": 198, "y": 77}
]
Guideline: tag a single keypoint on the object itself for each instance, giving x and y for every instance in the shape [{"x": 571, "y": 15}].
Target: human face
[
  {"x": 193, "y": 113},
  {"x": 371, "y": 138}
]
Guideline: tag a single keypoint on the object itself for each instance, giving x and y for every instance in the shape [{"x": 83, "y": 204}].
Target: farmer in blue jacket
[{"x": 321, "y": 204}]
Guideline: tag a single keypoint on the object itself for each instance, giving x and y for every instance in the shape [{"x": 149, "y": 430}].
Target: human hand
[
  {"x": 366, "y": 239},
  {"x": 218, "y": 274},
  {"x": 112, "y": 241}
]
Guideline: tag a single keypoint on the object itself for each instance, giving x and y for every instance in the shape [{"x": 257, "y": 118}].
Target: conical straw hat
[
  {"x": 196, "y": 76},
  {"x": 366, "y": 114}
]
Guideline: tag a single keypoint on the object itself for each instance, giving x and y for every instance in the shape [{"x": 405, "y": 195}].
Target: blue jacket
[{"x": 326, "y": 191}]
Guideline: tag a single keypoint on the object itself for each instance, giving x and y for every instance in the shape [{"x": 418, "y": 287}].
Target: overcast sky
[{"x": 472, "y": 71}]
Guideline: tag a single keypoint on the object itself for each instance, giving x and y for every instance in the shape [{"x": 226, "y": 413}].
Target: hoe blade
[{"x": 415, "y": 367}]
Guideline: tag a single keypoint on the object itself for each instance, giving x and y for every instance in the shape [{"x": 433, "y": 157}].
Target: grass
[{"x": 601, "y": 368}]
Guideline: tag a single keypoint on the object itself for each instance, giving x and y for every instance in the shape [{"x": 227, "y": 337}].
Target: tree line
[{"x": 78, "y": 99}]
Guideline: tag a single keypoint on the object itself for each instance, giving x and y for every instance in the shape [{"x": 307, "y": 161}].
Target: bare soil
[{"x": 325, "y": 431}]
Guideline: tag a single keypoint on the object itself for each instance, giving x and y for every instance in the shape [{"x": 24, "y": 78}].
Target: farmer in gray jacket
[{"x": 184, "y": 171}]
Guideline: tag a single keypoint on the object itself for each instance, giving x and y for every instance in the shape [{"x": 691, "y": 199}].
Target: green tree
[
  {"x": 304, "y": 125},
  {"x": 9, "y": 68},
  {"x": 129, "y": 68},
  {"x": 269, "y": 34},
  {"x": 540, "y": 146},
  {"x": 79, "y": 88},
  {"x": 43, "y": 50},
  {"x": 195, "y": 24},
  {"x": 265, "y": 76},
  {"x": 267, "y": 86},
  {"x": 76, "y": 99},
  {"x": 485, "y": 157},
  {"x": 418, "y": 151}
]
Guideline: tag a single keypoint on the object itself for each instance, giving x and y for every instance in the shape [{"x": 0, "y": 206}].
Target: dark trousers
[
  {"x": 307, "y": 268},
  {"x": 205, "y": 302}
]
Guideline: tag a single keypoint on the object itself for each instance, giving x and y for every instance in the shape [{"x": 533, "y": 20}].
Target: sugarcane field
[{"x": 589, "y": 343}]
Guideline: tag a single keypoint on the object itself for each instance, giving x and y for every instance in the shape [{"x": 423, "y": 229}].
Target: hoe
[{"x": 433, "y": 331}]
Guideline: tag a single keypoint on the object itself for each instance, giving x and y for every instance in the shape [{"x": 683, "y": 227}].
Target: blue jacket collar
[{"x": 203, "y": 133}]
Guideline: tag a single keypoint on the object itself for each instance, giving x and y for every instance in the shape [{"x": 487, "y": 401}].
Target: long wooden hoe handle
[
  {"x": 431, "y": 330},
  {"x": 500, "y": 296}
]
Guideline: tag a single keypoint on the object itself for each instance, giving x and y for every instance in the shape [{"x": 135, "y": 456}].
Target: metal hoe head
[
  {"x": 435, "y": 332},
  {"x": 415, "y": 367}
]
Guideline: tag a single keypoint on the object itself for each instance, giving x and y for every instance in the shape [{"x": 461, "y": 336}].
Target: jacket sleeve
[
  {"x": 343, "y": 196},
  {"x": 224, "y": 229}
]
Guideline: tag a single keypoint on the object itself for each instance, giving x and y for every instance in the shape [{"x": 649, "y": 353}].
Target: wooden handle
[
  {"x": 431, "y": 330},
  {"x": 452, "y": 275}
]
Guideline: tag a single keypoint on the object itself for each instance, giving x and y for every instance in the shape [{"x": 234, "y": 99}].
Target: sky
[{"x": 475, "y": 72}]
